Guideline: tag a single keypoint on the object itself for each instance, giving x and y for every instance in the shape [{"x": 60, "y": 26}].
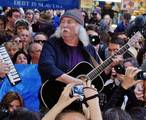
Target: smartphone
[
  {"x": 141, "y": 75},
  {"x": 77, "y": 90}
]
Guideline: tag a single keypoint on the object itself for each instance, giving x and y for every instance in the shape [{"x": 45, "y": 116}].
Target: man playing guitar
[{"x": 69, "y": 47}]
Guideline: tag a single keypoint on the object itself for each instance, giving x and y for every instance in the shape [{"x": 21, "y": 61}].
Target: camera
[
  {"x": 3, "y": 113},
  {"x": 141, "y": 75},
  {"x": 77, "y": 90},
  {"x": 120, "y": 69},
  {"x": 94, "y": 39}
]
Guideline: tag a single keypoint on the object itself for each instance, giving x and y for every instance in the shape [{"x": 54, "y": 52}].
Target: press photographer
[{"x": 94, "y": 39}]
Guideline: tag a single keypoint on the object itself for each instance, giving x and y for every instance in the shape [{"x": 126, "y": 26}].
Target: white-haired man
[
  {"x": 63, "y": 53},
  {"x": 64, "y": 50}
]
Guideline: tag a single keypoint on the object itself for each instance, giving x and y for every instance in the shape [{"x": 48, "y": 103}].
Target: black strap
[
  {"x": 91, "y": 97},
  {"x": 93, "y": 61}
]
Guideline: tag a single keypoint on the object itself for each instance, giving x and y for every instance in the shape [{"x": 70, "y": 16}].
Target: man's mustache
[{"x": 65, "y": 30}]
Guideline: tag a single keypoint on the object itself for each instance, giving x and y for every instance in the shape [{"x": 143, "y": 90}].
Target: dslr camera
[
  {"x": 141, "y": 75},
  {"x": 94, "y": 39},
  {"x": 120, "y": 69}
]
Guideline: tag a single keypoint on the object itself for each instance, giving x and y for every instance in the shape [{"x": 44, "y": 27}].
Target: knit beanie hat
[
  {"x": 21, "y": 22},
  {"x": 29, "y": 11},
  {"x": 74, "y": 14}
]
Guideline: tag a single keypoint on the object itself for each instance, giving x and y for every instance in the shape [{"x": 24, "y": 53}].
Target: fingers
[
  {"x": 4, "y": 69},
  {"x": 137, "y": 81},
  {"x": 89, "y": 89},
  {"x": 74, "y": 98},
  {"x": 65, "y": 98},
  {"x": 67, "y": 89},
  {"x": 140, "y": 96},
  {"x": 88, "y": 83},
  {"x": 120, "y": 77},
  {"x": 132, "y": 71},
  {"x": 117, "y": 59},
  {"x": 139, "y": 91}
]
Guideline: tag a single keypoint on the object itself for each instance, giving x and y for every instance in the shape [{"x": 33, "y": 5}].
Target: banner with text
[{"x": 42, "y": 4}]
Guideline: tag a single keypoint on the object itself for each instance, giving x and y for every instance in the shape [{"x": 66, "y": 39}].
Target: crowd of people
[{"x": 84, "y": 68}]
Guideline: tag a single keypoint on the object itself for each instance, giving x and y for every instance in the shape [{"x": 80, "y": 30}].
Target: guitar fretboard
[
  {"x": 13, "y": 76},
  {"x": 96, "y": 71}
]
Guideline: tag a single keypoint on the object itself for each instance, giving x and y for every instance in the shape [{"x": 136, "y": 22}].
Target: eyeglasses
[{"x": 39, "y": 41}]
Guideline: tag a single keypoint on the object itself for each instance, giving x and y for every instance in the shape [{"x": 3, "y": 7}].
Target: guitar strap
[
  {"x": 95, "y": 63},
  {"x": 93, "y": 60},
  {"x": 100, "y": 60}
]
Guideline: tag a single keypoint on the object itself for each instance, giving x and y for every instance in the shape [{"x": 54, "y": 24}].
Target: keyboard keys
[{"x": 13, "y": 76}]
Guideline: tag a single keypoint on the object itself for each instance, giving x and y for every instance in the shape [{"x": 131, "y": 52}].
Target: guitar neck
[{"x": 96, "y": 71}]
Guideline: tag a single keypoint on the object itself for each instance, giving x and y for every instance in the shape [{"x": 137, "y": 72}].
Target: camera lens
[
  {"x": 94, "y": 39},
  {"x": 120, "y": 69},
  {"x": 141, "y": 75}
]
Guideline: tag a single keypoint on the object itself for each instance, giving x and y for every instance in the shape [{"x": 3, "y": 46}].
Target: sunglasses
[{"x": 39, "y": 41}]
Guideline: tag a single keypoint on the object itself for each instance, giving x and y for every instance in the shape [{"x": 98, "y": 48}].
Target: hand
[
  {"x": 93, "y": 111},
  {"x": 65, "y": 98},
  {"x": 90, "y": 90},
  {"x": 139, "y": 89},
  {"x": 4, "y": 69},
  {"x": 65, "y": 78},
  {"x": 128, "y": 79},
  {"x": 62, "y": 103},
  {"x": 117, "y": 60},
  {"x": 78, "y": 81}
]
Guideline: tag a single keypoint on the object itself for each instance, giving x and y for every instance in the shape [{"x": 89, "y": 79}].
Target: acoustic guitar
[{"x": 52, "y": 89}]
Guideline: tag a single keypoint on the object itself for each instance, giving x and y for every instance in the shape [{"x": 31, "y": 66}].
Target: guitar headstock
[{"x": 135, "y": 39}]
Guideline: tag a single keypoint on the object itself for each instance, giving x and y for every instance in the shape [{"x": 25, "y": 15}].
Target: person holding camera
[
  {"x": 128, "y": 81},
  {"x": 67, "y": 97},
  {"x": 94, "y": 39}
]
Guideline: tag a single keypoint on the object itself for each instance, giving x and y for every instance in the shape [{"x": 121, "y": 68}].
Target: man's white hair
[{"x": 81, "y": 32}]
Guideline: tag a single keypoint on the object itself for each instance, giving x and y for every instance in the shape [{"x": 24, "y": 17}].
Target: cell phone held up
[{"x": 77, "y": 90}]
